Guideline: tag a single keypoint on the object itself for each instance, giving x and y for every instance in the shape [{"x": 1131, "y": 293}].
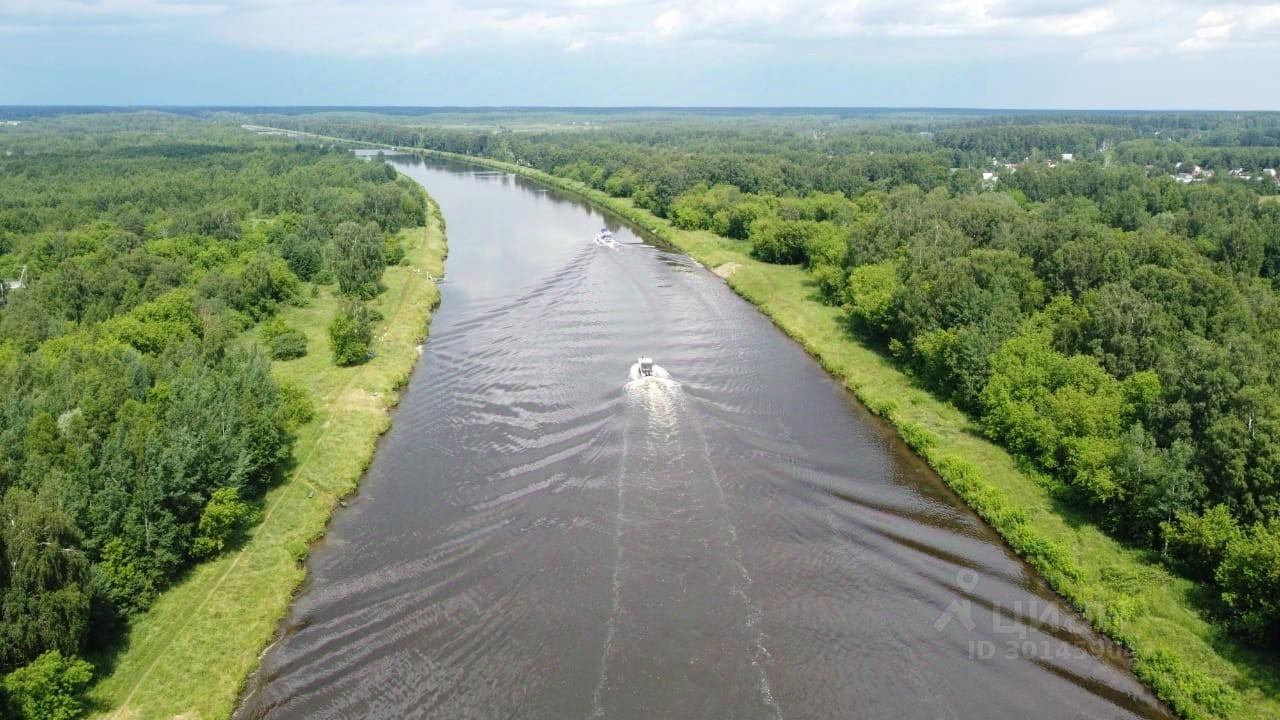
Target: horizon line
[{"x": 621, "y": 108}]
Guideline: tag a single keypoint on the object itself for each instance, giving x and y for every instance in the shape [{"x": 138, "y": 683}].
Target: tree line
[
  {"x": 137, "y": 436},
  {"x": 1119, "y": 332}
]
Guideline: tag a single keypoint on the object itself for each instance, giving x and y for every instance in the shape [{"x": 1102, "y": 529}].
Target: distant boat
[{"x": 604, "y": 237}]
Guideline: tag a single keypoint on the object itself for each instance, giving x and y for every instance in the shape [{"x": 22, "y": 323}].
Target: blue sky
[{"x": 967, "y": 53}]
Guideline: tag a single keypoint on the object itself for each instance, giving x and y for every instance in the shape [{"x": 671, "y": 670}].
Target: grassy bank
[
  {"x": 189, "y": 654},
  {"x": 1191, "y": 663}
]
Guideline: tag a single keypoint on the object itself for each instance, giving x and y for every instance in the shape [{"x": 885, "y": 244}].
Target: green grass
[
  {"x": 189, "y": 654},
  {"x": 1190, "y": 662}
]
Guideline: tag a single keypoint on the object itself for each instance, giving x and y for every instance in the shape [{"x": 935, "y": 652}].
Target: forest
[
  {"x": 1095, "y": 307},
  {"x": 1114, "y": 325},
  {"x": 138, "y": 432}
]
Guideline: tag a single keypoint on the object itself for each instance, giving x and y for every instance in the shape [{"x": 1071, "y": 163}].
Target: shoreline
[
  {"x": 227, "y": 612},
  {"x": 1124, "y": 594}
]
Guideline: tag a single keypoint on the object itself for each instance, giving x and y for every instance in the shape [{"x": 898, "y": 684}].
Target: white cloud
[
  {"x": 398, "y": 27},
  {"x": 1212, "y": 30},
  {"x": 1264, "y": 17},
  {"x": 668, "y": 23},
  {"x": 1107, "y": 30},
  {"x": 1233, "y": 25}
]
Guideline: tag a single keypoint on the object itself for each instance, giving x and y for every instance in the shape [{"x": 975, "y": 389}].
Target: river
[{"x": 538, "y": 537}]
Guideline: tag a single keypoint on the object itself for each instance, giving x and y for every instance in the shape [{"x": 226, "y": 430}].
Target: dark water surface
[{"x": 539, "y": 538}]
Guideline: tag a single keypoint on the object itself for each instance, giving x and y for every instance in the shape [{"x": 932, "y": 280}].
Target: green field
[
  {"x": 189, "y": 654},
  {"x": 1194, "y": 665}
]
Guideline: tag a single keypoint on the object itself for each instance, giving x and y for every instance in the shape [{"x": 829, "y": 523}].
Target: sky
[{"x": 1088, "y": 54}]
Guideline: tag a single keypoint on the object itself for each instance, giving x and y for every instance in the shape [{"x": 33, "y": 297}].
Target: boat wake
[{"x": 670, "y": 619}]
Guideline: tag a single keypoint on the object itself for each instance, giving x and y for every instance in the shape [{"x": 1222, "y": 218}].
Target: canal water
[{"x": 540, "y": 537}]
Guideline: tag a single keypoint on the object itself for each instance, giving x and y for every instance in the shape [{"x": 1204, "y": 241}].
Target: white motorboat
[{"x": 645, "y": 368}]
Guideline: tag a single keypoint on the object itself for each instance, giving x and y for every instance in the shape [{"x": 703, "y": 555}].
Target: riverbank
[
  {"x": 189, "y": 654},
  {"x": 1125, "y": 593},
  {"x": 1195, "y": 666}
]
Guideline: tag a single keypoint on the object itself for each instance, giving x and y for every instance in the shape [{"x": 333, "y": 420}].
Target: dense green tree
[
  {"x": 223, "y": 516},
  {"x": 1198, "y": 542},
  {"x": 1065, "y": 412},
  {"x": 1126, "y": 210},
  {"x": 351, "y": 335},
  {"x": 358, "y": 259},
  {"x": 1250, "y": 579},
  {"x": 50, "y": 688},
  {"x": 1242, "y": 247},
  {"x": 45, "y": 601},
  {"x": 304, "y": 257},
  {"x": 135, "y": 434},
  {"x": 869, "y": 296},
  {"x": 1120, "y": 327},
  {"x": 788, "y": 241},
  {"x": 1156, "y": 485},
  {"x": 391, "y": 205},
  {"x": 264, "y": 283}
]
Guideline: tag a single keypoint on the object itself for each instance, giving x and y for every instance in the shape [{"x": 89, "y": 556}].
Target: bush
[
  {"x": 288, "y": 346},
  {"x": 869, "y": 296},
  {"x": 1185, "y": 688},
  {"x": 1250, "y": 580},
  {"x": 264, "y": 283},
  {"x": 283, "y": 342},
  {"x": 295, "y": 405},
  {"x": 351, "y": 335},
  {"x": 50, "y": 688},
  {"x": 916, "y": 436},
  {"x": 298, "y": 550},
  {"x": 223, "y": 517},
  {"x": 785, "y": 242},
  {"x": 273, "y": 328},
  {"x": 831, "y": 282},
  {"x": 303, "y": 257},
  {"x": 395, "y": 252},
  {"x": 1198, "y": 543},
  {"x": 735, "y": 222},
  {"x": 123, "y": 578}
]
